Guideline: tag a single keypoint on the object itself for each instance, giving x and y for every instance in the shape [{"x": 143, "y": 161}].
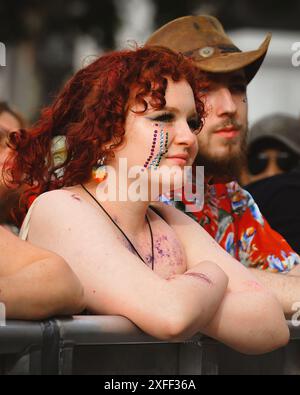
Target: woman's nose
[{"x": 184, "y": 135}]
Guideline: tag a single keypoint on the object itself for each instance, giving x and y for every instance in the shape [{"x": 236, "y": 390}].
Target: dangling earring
[{"x": 99, "y": 172}]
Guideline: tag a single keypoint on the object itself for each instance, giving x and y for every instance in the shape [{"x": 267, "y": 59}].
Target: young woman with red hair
[{"x": 138, "y": 259}]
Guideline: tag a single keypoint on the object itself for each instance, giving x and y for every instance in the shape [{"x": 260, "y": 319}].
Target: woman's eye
[
  {"x": 195, "y": 125},
  {"x": 167, "y": 117},
  {"x": 239, "y": 88}
]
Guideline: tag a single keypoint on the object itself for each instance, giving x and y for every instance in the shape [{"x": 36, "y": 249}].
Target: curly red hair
[{"x": 90, "y": 112}]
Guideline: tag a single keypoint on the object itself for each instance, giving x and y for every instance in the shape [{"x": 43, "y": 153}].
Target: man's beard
[{"x": 226, "y": 168}]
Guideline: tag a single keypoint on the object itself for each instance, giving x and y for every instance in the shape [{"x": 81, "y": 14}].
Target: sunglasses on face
[{"x": 259, "y": 162}]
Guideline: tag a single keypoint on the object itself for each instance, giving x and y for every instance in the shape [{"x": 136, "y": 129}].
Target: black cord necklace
[{"x": 123, "y": 233}]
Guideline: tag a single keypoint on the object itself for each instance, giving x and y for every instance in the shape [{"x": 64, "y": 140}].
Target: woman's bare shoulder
[
  {"x": 56, "y": 202},
  {"x": 58, "y": 197},
  {"x": 62, "y": 211}
]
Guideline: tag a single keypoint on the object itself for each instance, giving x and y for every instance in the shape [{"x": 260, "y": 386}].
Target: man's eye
[
  {"x": 195, "y": 125},
  {"x": 167, "y": 117},
  {"x": 239, "y": 88}
]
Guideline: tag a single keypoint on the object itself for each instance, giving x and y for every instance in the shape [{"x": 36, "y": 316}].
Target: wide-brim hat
[
  {"x": 204, "y": 40},
  {"x": 282, "y": 128}
]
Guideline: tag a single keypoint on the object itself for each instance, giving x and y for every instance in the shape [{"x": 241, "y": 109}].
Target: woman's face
[{"x": 150, "y": 134}]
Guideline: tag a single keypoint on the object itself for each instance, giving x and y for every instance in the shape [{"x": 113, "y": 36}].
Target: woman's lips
[{"x": 181, "y": 161}]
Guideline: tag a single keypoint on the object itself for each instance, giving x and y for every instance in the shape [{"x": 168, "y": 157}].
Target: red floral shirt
[{"x": 233, "y": 219}]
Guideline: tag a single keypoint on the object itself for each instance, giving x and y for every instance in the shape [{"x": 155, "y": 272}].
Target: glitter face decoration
[
  {"x": 153, "y": 162},
  {"x": 163, "y": 149},
  {"x": 154, "y": 143}
]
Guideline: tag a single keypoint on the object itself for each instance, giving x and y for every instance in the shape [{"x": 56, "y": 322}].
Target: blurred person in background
[
  {"x": 10, "y": 121},
  {"x": 273, "y": 148},
  {"x": 230, "y": 214},
  {"x": 36, "y": 284},
  {"x": 273, "y": 173}
]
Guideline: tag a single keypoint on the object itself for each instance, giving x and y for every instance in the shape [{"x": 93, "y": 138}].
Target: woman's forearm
[
  {"x": 193, "y": 299},
  {"x": 250, "y": 322}
]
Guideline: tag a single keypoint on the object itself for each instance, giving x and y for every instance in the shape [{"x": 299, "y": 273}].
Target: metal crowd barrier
[
  {"x": 107, "y": 345},
  {"x": 21, "y": 346}
]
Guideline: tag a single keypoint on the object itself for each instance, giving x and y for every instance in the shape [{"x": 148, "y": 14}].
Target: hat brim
[
  {"x": 292, "y": 145},
  {"x": 228, "y": 62}
]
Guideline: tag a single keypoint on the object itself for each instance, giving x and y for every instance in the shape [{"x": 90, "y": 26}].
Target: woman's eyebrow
[
  {"x": 192, "y": 114},
  {"x": 171, "y": 109}
]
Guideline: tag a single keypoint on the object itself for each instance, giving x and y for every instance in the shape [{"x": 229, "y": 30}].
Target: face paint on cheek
[
  {"x": 163, "y": 149},
  {"x": 154, "y": 142}
]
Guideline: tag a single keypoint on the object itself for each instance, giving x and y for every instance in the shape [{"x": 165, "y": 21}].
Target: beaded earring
[{"x": 99, "y": 172}]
